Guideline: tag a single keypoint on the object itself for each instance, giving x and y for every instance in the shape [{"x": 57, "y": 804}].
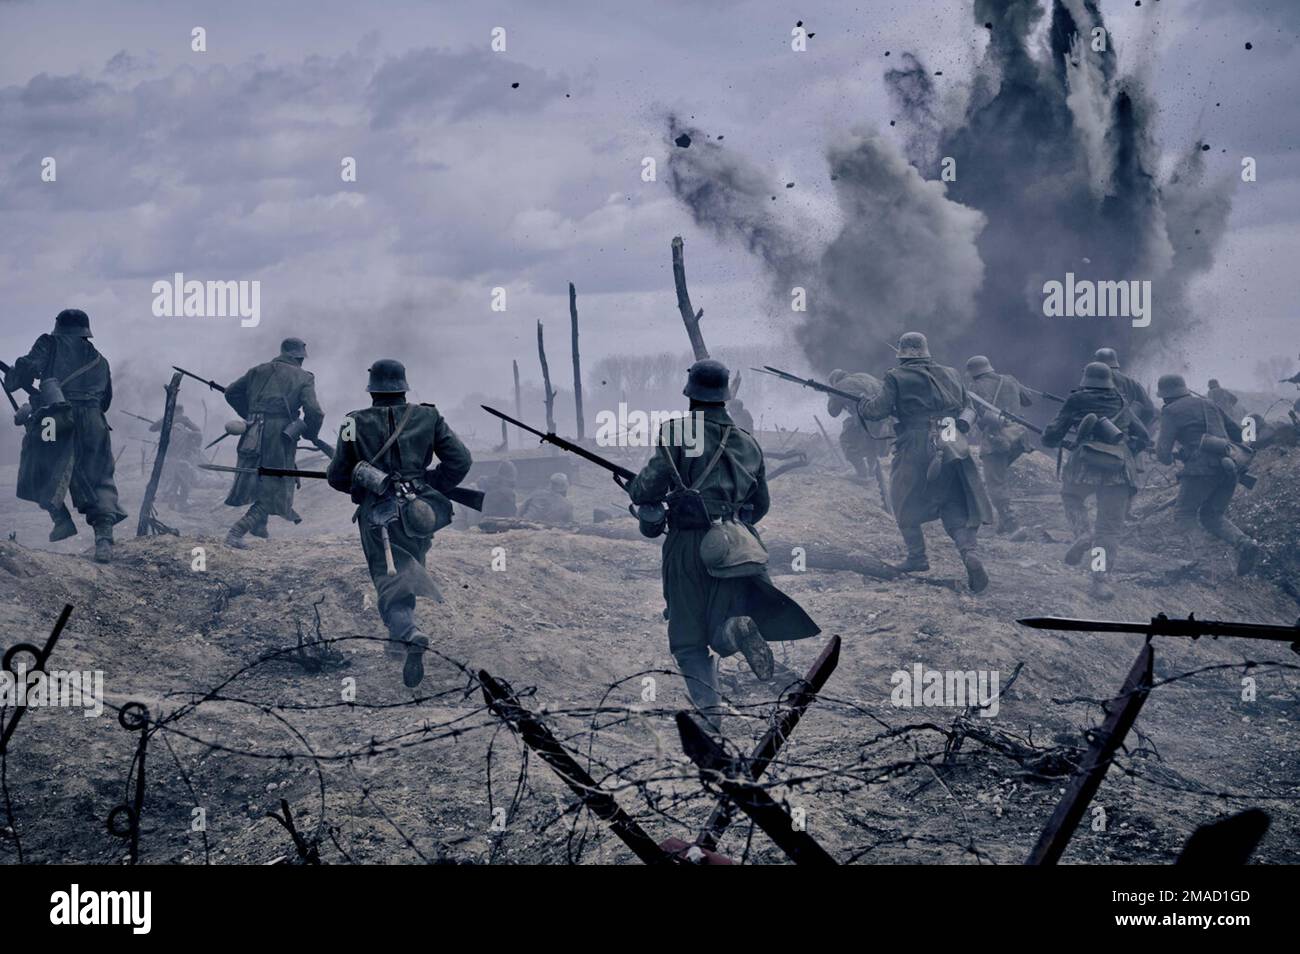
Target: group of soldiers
[
  {"x": 401, "y": 462},
  {"x": 1106, "y": 423}
]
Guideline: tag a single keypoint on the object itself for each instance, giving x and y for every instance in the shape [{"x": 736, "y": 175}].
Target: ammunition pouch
[
  {"x": 295, "y": 429},
  {"x": 652, "y": 519},
  {"x": 687, "y": 510},
  {"x": 250, "y": 442},
  {"x": 1106, "y": 458},
  {"x": 945, "y": 453},
  {"x": 51, "y": 392}
]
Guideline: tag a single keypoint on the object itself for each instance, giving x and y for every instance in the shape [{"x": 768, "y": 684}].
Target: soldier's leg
[
  {"x": 955, "y": 523},
  {"x": 1213, "y": 517},
  {"x": 92, "y": 487},
  {"x": 1193, "y": 492},
  {"x": 64, "y": 526},
  {"x": 914, "y": 540},
  {"x": 255, "y": 516},
  {"x": 853, "y": 445},
  {"x": 1112, "y": 503},
  {"x": 1074, "y": 498},
  {"x": 700, "y": 670},
  {"x": 997, "y": 469}
]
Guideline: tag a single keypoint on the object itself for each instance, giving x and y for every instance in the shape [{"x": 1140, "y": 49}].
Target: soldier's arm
[
  {"x": 312, "y": 415},
  {"x": 1233, "y": 428},
  {"x": 1138, "y": 435},
  {"x": 31, "y": 365},
  {"x": 881, "y": 405},
  {"x": 758, "y": 501},
  {"x": 454, "y": 459},
  {"x": 1025, "y": 399},
  {"x": 339, "y": 473},
  {"x": 1055, "y": 432},
  {"x": 237, "y": 394},
  {"x": 1168, "y": 431},
  {"x": 107, "y": 399},
  {"x": 651, "y": 486}
]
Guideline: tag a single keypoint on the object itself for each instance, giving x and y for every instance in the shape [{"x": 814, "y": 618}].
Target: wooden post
[
  {"x": 149, "y": 522},
  {"x": 1121, "y": 713},
  {"x": 546, "y": 382},
  {"x": 577, "y": 362},
  {"x": 690, "y": 317}
]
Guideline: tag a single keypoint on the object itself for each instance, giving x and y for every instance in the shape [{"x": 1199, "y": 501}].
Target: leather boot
[
  {"x": 743, "y": 633},
  {"x": 1074, "y": 555},
  {"x": 1099, "y": 589},
  {"x": 104, "y": 542},
  {"x": 413, "y": 670},
  {"x": 63, "y": 525},
  {"x": 976, "y": 575},
  {"x": 1247, "y": 556}
]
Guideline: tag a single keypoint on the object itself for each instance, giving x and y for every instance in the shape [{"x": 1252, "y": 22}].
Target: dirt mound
[{"x": 573, "y": 621}]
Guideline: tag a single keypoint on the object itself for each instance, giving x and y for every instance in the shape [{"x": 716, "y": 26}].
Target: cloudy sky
[{"x": 225, "y": 165}]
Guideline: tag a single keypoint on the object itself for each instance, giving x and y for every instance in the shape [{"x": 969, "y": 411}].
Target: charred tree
[
  {"x": 690, "y": 317},
  {"x": 547, "y": 391},
  {"x": 149, "y": 522},
  {"x": 577, "y": 361}
]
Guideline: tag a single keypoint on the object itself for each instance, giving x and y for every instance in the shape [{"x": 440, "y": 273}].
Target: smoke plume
[{"x": 1056, "y": 170}]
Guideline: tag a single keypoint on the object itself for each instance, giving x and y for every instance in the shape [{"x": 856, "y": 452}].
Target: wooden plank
[{"x": 1121, "y": 713}]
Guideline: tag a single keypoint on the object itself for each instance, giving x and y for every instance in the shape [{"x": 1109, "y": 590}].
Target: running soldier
[
  {"x": 67, "y": 449},
  {"x": 270, "y": 398},
  {"x": 1101, "y": 464},
  {"x": 733, "y": 606},
  {"x": 382, "y": 459},
  {"x": 932, "y": 476},
  {"x": 1001, "y": 442},
  {"x": 1201, "y": 431}
]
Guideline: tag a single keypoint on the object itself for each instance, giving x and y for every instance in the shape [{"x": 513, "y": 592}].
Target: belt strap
[{"x": 392, "y": 438}]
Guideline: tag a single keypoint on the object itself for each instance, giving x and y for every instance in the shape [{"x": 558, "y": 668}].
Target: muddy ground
[{"x": 573, "y": 622}]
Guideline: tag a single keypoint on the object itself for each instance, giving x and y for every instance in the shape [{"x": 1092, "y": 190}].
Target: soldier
[
  {"x": 932, "y": 476},
  {"x": 184, "y": 452},
  {"x": 861, "y": 447},
  {"x": 1097, "y": 466},
  {"x": 66, "y": 447},
  {"x": 1130, "y": 390},
  {"x": 744, "y": 420},
  {"x": 269, "y": 397},
  {"x": 1001, "y": 442},
  {"x": 725, "y": 479},
  {"x": 499, "y": 491},
  {"x": 1209, "y": 477},
  {"x": 1222, "y": 397},
  {"x": 384, "y": 464},
  {"x": 550, "y": 506}
]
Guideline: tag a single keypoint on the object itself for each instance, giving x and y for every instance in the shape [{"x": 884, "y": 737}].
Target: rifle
[
  {"x": 461, "y": 495},
  {"x": 621, "y": 474},
  {"x": 138, "y": 417},
  {"x": 1005, "y": 415},
  {"x": 190, "y": 374},
  {"x": 1043, "y": 394},
  {"x": 810, "y": 383},
  {"x": 1162, "y": 625},
  {"x": 10, "y": 394}
]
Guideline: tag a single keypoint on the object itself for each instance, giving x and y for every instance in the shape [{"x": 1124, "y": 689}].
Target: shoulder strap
[
  {"x": 410, "y": 408},
  {"x": 82, "y": 369},
  {"x": 713, "y": 461},
  {"x": 1002, "y": 379}
]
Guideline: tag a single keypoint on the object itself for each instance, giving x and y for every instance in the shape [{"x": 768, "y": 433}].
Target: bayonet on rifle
[
  {"x": 1043, "y": 394},
  {"x": 619, "y": 472},
  {"x": 1162, "y": 625},
  {"x": 212, "y": 384}
]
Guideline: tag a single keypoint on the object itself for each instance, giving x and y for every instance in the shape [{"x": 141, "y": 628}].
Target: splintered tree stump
[
  {"x": 577, "y": 362},
  {"x": 149, "y": 522},
  {"x": 547, "y": 391},
  {"x": 690, "y": 317}
]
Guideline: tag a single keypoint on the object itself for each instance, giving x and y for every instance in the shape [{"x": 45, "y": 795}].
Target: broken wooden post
[
  {"x": 519, "y": 403},
  {"x": 42, "y": 656},
  {"x": 547, "y": 392},
  {"x": 690, "y": 317},
  {"x": 577, "y": 362},
  {"x": 1121, "y": 713},
  {"x": 503, "y": 703},
  {"x": 805, "y": 693},
  {"x": 149, "y": 522},
  {"x": 1227, "y": 842},
  {"x": 734, "y": 780}
]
